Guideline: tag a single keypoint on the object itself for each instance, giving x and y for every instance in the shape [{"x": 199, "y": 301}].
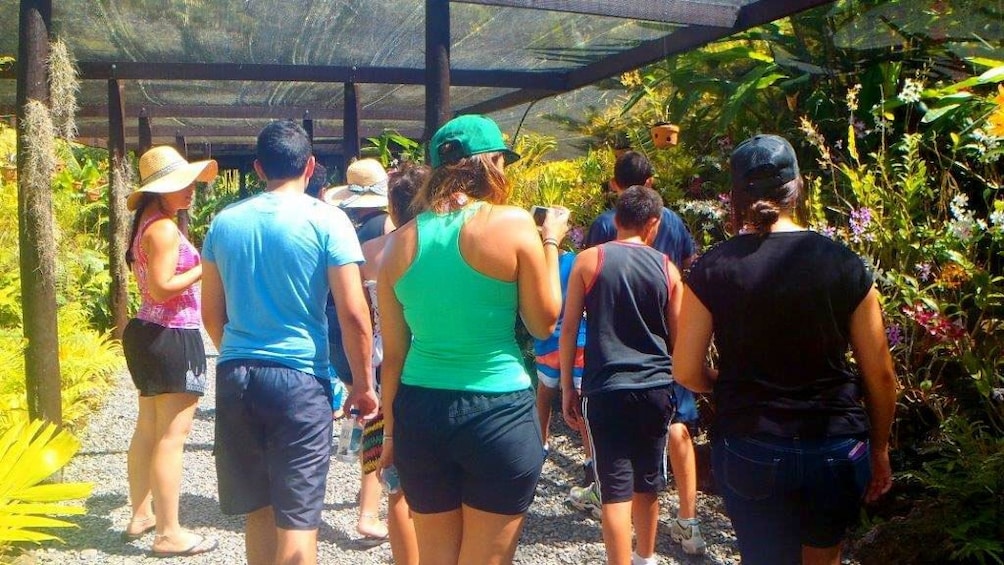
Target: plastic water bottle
[
  {"x": 351, "y": 438},
  {"x": 391, "y": 480}
]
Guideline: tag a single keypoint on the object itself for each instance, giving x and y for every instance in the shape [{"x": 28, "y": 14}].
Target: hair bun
[{"x": 763, "y": 214}]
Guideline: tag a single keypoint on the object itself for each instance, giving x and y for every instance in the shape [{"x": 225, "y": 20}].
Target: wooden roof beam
[
  {"x": 195, "y": 134},
  {"x": 407, "y": 114},
  {"x": 685, "y": 12},
  {"x": 496, "y": 78}
]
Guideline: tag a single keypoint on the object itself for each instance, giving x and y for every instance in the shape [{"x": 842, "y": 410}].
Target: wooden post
[
  {"x": 351, "y": 147},
  {"x": 118, "y": 216},
  {"x": 242, "y": 188},
  {"x": 181, "y": 145},
  {"x": 308, "y": 126},
  {"x": 36, "y": 226},
  {"x": 437, "y": 65},
  {"x": 145, "y": 133}
]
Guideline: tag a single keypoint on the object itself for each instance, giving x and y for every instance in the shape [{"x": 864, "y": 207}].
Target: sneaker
[
  {"x": 687, "y": 533},
  {"x": 587, "y": 499}
]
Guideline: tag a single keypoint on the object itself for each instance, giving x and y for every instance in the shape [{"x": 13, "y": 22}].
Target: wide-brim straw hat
[
  {"x": 366, "y": 188},
  {"x": 163, "y": 170}
]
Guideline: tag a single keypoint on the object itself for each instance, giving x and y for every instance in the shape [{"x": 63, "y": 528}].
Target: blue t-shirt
[
  {"x": 673, "y": 238},
  {"x": 550, "y": 344},
  {"x": 273, "y": 252}
]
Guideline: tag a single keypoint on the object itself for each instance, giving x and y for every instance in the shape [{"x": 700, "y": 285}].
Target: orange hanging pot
[{"x": 665, "y": 135}]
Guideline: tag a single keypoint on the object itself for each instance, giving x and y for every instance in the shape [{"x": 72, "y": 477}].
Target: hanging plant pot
[{"x": 665, "y": 135}]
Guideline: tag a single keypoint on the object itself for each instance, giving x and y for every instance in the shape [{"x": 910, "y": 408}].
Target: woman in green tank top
[{"x": 460, "y": 424}]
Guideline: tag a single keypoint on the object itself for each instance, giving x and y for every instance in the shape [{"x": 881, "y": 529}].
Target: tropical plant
[
  {"x": 926, "y": 209},
  {"x": 966, "y": 478},
  {"x": 222, "y": 192},
  {"x": 31, "y": 452},
  {"x": 578, "y": 184},
  {"x": 390, "y": 146}
]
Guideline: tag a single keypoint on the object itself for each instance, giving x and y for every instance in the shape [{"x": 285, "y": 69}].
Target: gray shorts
[{"x": 273, "y": 441}]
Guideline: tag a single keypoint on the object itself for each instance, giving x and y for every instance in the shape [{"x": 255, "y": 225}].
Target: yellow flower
[
  {"x": 996, "y": 122},
  {"x": 953, "y": 275},
  {"x": 999, "y": 99},
  {"x": 631, "y": 79}
]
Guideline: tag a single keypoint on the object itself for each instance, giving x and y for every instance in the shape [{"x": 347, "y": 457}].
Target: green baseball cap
[{"x": 467, "y": 135}]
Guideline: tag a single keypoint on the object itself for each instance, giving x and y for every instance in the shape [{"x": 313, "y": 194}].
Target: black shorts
[
  {"x": 273, "y": 441},
  {"x": 627, "y": 430},
  {"x": 456, "y": 448},
  {"x": 164, "y": 360}
]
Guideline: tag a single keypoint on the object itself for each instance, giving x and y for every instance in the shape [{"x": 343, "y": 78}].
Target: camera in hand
[{"x": 539, "y": 214}]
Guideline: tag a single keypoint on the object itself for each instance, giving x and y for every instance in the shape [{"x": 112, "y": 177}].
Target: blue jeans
[{"x": 784, "y": 493}]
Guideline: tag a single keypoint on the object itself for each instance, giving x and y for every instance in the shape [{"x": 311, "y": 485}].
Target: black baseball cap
[{"x": 763, "y": 161}]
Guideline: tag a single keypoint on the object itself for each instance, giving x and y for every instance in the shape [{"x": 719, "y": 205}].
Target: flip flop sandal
[
  {"x": 127, "y": 536},
  {"x": 369, "y": 541},
  {"x": 204, "y": 545},
  {"x": 373, "y": 540}
]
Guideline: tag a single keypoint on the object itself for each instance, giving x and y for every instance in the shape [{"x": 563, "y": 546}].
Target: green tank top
[{"x": 462, "y": 322}]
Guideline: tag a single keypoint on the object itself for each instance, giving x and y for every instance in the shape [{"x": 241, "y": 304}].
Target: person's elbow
[
  {"x": 541, "y": 329},
  {"x": 160, "y": 294},
  {"x": 542, "y": 325}
]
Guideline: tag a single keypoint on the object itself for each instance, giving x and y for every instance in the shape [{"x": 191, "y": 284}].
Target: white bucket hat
[
  {"x": 366, "y": 188},
  {"x": 163, "y": 170}
]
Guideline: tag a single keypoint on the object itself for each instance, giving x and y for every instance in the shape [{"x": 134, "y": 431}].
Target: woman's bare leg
[
  {"x": 489, "y": 539},
  {"x": 138, "y": 465},
  {"x": 174, "y": 414},
  {"x": 403, "y": 545},
  {"x": 439, "y": 536}
]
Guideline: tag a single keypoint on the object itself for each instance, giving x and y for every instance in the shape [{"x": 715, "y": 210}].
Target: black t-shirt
[
  {"x": 626, "y": 330},
  {"x": 781, "y": 306},
  {"x": 371, "y": 226}
]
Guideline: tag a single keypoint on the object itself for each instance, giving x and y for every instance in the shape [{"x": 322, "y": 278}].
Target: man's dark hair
[
  {"x": 632, "y": 168},
  {"x": 636, "y": 206},
  {"x": 283, "y": 150},
  {"x": 317, "y": 181}
]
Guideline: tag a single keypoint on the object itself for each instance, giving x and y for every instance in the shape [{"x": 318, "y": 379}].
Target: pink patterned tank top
[{"x": 182, "y": 311}]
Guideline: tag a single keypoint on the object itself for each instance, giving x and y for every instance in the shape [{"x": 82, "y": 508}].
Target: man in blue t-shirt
[
  {"x": 268, "y": 263},
  {"x": 633, "y": 168},
  {"x": 673, "y": 240}
]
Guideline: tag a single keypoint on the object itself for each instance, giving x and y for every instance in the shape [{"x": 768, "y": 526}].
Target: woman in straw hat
[
  {"x": 163, "y": 348},
  {"x": 468, "y": 448}
]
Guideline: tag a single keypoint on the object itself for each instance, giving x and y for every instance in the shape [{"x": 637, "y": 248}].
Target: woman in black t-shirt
[{"x": 800, "y": 437}]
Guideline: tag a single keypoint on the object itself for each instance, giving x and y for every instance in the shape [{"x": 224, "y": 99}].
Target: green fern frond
[{"x": 30, "y": 452}]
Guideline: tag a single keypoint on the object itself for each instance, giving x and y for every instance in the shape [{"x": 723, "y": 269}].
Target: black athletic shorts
[
  {"x": 273, "y": 441},
  {"x": 627, "y": 430},
  {"x": 164, "y": 360},
  {"x": 456, "y": 448}
]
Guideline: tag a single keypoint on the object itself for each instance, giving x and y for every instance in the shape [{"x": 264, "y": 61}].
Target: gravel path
[{"x": 554, "y": 532}]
